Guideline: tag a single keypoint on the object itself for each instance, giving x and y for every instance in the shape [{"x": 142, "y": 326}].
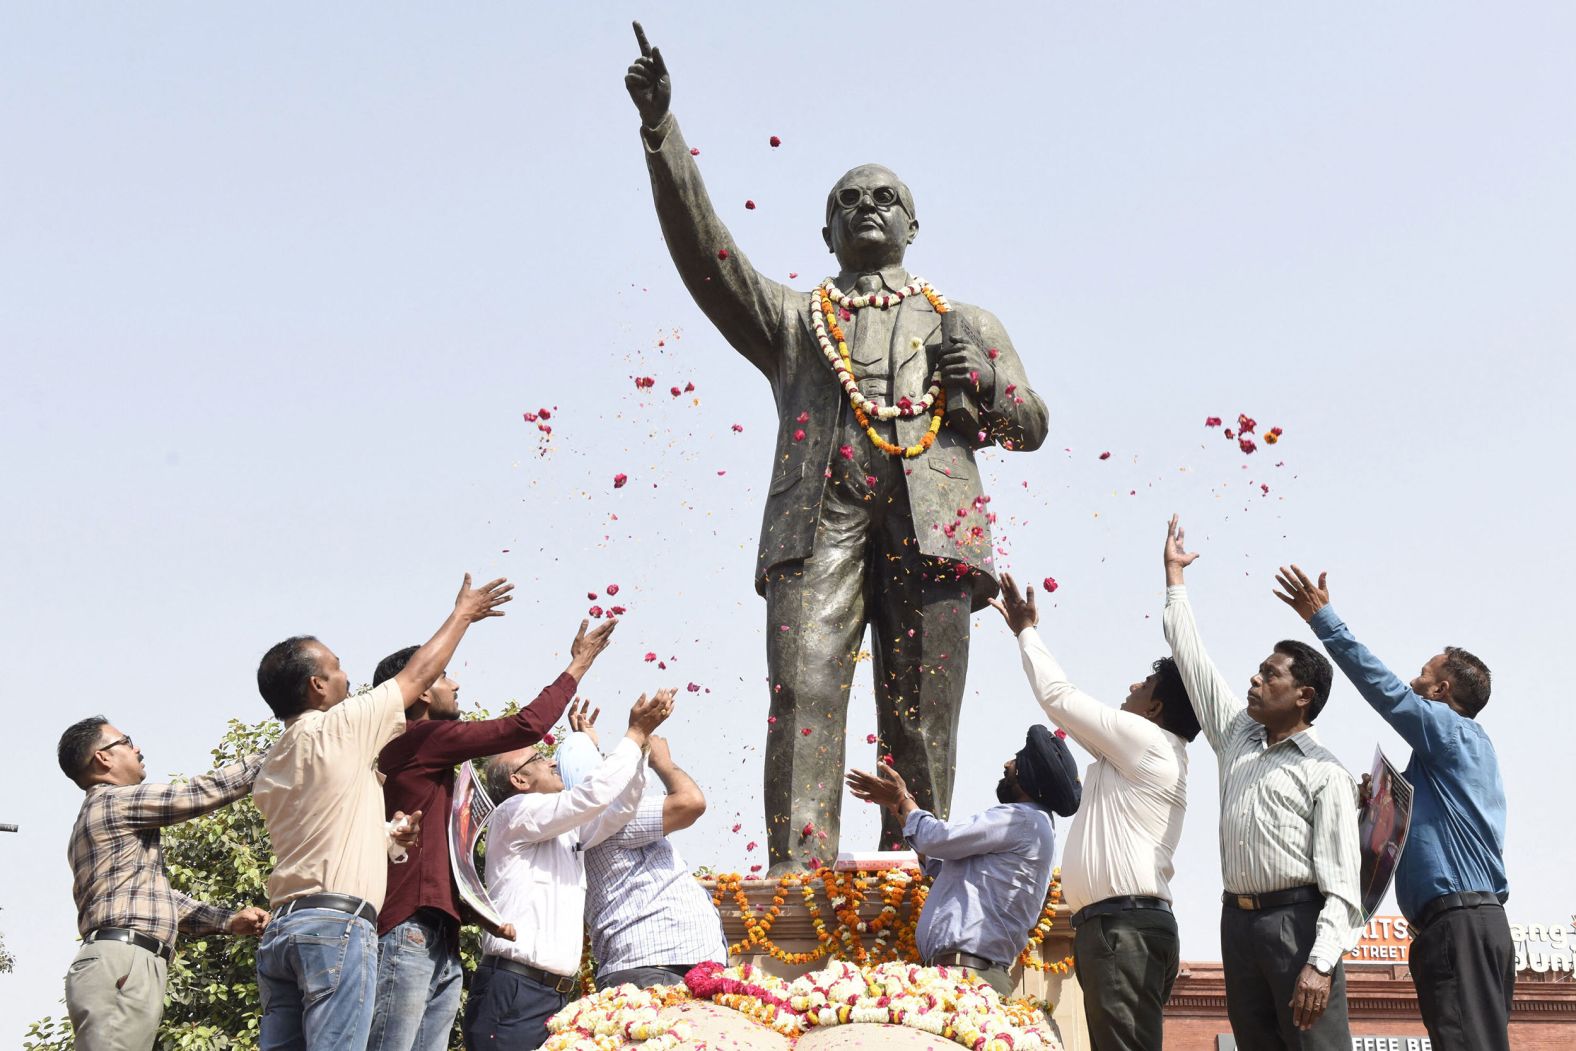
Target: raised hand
[
  {"x": 473, "y": 604},
  {"x": 584, "y": 651},
  {"x": 646, "y": 715},
  {"x": 885, "y": 787},
  {"x": 1300, "y": 593},
  {"x": 1019, "y": 612},
  {"x": 1177, "y": 557},
  {"x": 648, "y": 82},
  {"x": 248, "y": 922},
  {"x": 580, "y": 722}
]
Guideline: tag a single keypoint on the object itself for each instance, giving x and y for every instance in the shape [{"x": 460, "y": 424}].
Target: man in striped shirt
[
  {"x": 649, "y": 921},
  {"x": 1288, "y": 836},
  {"x": 127, "y": 912}
]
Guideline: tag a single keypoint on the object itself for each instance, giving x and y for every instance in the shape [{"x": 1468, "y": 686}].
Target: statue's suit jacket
[{"x": 769, "y": 323}]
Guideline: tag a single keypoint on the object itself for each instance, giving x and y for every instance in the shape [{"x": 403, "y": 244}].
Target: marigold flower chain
[{"x": 824, "y": 303}]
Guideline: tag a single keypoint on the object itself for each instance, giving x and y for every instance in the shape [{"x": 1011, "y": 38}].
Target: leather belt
[
  {"x": 560, "y": 984},
  {"x": 962, "y": 959},
  {"x": 337, "y": 902},
  {"x": 131, "y": 937},
  {"x": 1121, "y": 904},
  {"x": 1467, "y": 899},
  {"x": 1275, "y": 899}
]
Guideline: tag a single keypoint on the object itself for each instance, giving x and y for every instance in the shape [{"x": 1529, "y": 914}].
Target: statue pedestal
[{"x": 793, "y": 932}]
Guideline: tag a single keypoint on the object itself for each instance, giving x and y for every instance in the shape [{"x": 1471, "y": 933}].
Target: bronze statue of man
[{"x": 875, "y": 514}]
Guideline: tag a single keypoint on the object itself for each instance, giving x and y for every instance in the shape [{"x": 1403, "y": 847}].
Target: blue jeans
[
  {"x": 508, "y": 1011},
  {"x": 418, "y": 989},
  {"x": 315, "y": 975}
]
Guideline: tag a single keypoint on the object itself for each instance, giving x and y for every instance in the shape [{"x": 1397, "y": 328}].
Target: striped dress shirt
[
  {"x": 1288, "y": 812},
  {"x": 643, "y": 906},
  {"x": 117, "y": 858}
]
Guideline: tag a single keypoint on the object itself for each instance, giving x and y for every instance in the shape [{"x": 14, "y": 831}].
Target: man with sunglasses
[
  {"x": 127, "y": 913},
  {"x": 536, "y": 842},
  {"x": 882, "y": 524}
]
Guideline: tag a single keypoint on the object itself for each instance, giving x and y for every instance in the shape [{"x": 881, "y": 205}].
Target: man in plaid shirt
[{"x": 127, "y": 912}]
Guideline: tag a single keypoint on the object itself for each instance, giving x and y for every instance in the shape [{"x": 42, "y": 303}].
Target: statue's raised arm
[{"x": 746, "y": 307}]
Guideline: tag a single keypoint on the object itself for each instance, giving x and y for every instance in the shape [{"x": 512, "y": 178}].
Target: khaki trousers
[{"x": 115, "y": 997}]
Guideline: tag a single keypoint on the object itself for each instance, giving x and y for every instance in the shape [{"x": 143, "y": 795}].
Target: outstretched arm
[
  {"x": 1428, "y": 726},
  {"x": 746, "y": 307},
  {"x": 1213, "y": 702},
  {"x": 471, "y": 605}
]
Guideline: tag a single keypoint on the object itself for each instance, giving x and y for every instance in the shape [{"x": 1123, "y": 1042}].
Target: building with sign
[{"x": 1382, "y": 1002}]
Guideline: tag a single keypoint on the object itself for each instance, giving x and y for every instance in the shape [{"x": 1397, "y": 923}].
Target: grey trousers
[
  {"x": 1126, "y": 963},
  {"x": 115, "y": 997},
  {"x": 866, "y": 570},
  {"x": 1262, "y": 953},
  {"x": 1464, "y": 967}
]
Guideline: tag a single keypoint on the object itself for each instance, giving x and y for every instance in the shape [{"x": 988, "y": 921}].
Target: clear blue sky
[{"x": 279, "y": 282}]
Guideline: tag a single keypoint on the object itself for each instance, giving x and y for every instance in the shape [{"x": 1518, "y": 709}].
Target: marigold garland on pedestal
[{"x": 846, "y": 892}]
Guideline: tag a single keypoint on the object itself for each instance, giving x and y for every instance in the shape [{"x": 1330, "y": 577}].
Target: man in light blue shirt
[
  {"x": 990, "y": 872},
  {"x": 1450, "y": 882}
]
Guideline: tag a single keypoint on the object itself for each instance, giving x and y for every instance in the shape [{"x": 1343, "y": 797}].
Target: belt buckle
[
  {"x": 1248, "y": 902},
  {"x": 565, "y": 986}
]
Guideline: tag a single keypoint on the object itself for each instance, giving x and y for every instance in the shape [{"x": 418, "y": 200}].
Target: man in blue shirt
[
  {"x": 990, "y": 872},
  {"x": 1450, "y": 883}
]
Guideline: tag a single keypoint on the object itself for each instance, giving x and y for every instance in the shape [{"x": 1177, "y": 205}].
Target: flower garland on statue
[{"x": 825, "y": 302}]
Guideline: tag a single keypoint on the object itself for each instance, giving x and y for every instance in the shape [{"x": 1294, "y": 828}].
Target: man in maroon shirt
[{"x": 419, "y": 973}]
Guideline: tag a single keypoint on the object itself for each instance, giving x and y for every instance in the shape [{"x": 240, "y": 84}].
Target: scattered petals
[
  {"x": 1246, "y": 423},
  {"x": 870, "y": 480},
  {"x": 1273, "y": 435},
  {"x": 675, "y": 391},
  {"x": 774, "y": 142},
  {"x": 805, "y": 732},
  {"x": 738, "y": 428},
  {"x": 650, "y": 657},
  {"x": 619, "y": 480},
  {"x": 749, "y": 205},
  {"x": 722, "y": 253},
  {"x": 798, "y": 435},
  {"x": 694, "y": 151},
  {"x": 596, "y": 611},
  {"x": 803, "y": 417},
  {"x": 1049, "y": 584},
  {"x": 549, "y": 740},
  {"x": 611, "y": 589},
  {"x": 1246, "y": 445},
  {"x": 1059, "y": 732},
  {"x": 846, "y": 451},
  {"x": 1105, "y": 456},
  {"x": 1212, "y": 421}
]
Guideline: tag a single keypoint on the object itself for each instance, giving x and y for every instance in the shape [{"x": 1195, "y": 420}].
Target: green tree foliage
[{"x": 211, "y": 1003}]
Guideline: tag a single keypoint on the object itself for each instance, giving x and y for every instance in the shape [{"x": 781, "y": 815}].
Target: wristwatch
[{"x": 1324, "y": 969}]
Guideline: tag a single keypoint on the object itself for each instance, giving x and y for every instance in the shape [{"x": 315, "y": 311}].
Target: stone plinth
[{"x": 794, "y": 932}]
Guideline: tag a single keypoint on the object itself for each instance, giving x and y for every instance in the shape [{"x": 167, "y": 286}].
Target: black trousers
[
  {"x": 1126, "y": 963},
  {"x": 1262, "y": 953},
  {"x": 507, "y": 1011},
  {"x": 1464, "y": 967}
]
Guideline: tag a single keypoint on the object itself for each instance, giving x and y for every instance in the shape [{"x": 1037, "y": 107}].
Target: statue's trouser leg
[
  {"x": 919, "y": 631},
  {"x": 815, "y": 616}
]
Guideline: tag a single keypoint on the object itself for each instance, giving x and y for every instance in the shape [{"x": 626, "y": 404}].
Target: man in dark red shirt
[{"x": 419, "y": 973}]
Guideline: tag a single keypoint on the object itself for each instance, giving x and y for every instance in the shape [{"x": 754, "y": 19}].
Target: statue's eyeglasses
[{"x": 883, "y": 197}]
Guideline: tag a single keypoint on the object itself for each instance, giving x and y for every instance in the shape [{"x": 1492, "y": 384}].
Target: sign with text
[
  {"x": 1545, "y": 948},
  {"x": 1385, "y": 939}
]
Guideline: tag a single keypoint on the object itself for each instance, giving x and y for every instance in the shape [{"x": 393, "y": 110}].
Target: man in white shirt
[
  {"x": 536, "y": 840},
  {"x": 1116, "y": 866}
]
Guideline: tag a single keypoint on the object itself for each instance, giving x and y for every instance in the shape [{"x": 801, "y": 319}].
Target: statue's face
[{"x": 870, "y": 227}]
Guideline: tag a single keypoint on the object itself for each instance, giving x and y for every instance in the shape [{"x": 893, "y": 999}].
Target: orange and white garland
[{"x": 825, "y": 302}]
